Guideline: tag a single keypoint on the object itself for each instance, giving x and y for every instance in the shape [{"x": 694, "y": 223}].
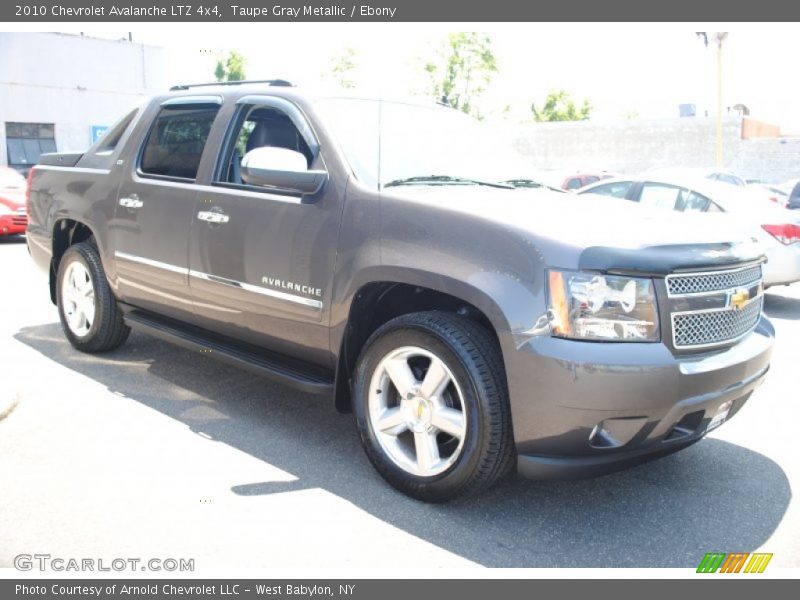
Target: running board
[{"x": 268, "y": 364}]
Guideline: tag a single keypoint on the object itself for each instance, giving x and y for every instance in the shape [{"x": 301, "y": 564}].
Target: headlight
[
  {"x": 591, "y": 306},
  {"x": 5, "y": 210}
]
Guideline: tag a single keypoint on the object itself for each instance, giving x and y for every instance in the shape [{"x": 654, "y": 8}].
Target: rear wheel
[
  {"x": 431, "y": 405},
  {"x": 90, "y": 317}
]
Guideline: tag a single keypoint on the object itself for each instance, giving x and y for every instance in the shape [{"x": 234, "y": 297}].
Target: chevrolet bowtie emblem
[
  {"x": 420, "y": 410},
  {"x": 738, "y": 298}
]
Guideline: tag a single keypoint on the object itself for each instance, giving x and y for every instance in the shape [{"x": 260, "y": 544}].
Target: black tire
[
  {"x": 474, "y": 359},
  {"x": 107, "y": 330}
]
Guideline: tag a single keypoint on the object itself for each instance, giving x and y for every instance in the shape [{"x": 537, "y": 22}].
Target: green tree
[
  {"x": 342, "y": 67},
  {"x": 558, "y": 106},
  {"x": 231, "y": 68},
  {"x": 463, "y": 71}
]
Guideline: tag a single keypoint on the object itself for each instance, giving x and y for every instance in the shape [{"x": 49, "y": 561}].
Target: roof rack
[{"x": 273, "y": 82}]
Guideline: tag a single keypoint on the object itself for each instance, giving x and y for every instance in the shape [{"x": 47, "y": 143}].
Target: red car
[
  {"x": 579, "y": 180},
  {"x": 13, "y": 216}
]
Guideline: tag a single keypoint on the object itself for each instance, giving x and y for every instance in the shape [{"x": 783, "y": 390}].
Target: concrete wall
[
  {"x": 638, "y": 145},
  {"x": 773, "y": 160},
  {"x": 74, "y": 82}
]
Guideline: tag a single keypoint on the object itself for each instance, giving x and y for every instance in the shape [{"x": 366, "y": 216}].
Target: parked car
[
  {"x": 771, "y": 192},
  {"x": 689, "y": 173},
  {"x": 578, "y": 180},
  {"x": 793, "y": 202},
  {"x": 776, "y": 228},
  {"x": 363, "y": 249},
  {"x": 726, "y": 177},
  {"x": 13, "y": 217}
]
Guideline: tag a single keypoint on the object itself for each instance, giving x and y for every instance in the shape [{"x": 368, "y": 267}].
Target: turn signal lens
[{"x": 558, "y": 303}]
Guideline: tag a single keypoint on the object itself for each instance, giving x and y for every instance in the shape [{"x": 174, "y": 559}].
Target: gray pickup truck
[{"x": 374, "y": 252}]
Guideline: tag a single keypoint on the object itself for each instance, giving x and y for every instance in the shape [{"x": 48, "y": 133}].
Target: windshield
[{"x": 424, "y": 145}]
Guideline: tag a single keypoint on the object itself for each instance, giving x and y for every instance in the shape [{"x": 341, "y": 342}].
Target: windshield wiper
[
  {"x": 445, "y": 180},
  {"x": 530, "y": 183}
]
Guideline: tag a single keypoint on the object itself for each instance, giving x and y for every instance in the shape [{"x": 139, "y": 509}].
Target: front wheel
[
  {"x": 89, "y": 314},
  {"x": 431, "y": 406}
]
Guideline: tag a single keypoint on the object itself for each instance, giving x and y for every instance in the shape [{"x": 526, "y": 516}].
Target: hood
[{"x": 608, "y": 233}]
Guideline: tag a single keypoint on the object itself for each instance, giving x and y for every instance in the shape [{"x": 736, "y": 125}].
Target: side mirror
[{"x": 281, "y": 168}]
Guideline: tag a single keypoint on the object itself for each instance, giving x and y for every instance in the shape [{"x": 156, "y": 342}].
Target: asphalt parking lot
[{"x": 154, "y": 451}]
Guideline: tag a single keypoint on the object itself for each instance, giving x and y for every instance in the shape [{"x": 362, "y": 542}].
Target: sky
[{"x": 624, "y": 70}]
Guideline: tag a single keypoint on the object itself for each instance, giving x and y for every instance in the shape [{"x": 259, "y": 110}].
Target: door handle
[
  {"x": 131, "y": 201},
  {"x": 212, "y": 217}
]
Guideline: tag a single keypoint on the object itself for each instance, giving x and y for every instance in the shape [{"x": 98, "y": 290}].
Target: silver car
[{"x": 776, "y": 228}]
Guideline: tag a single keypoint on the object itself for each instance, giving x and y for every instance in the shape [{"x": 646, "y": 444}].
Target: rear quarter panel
[{"x": 81, "y": 194}]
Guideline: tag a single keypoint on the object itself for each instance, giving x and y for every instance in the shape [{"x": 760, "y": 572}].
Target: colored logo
[
  {"x": 738, "y": 298},
  {"x": 735, "y": 562}
]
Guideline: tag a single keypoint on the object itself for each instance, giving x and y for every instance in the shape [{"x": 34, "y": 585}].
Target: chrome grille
[
  {"x": 717, "y": 281},
  {"x": 708, "y": 328}
]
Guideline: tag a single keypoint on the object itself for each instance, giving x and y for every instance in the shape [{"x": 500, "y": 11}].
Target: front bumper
[{"x": 581, "y": 409}]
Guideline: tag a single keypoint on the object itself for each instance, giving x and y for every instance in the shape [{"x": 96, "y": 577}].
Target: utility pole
[{"x": 718, "y": 37}]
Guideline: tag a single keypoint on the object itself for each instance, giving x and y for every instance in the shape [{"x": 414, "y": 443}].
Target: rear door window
[
  {"x": 176, "y": 142},
  {"x": 659, "y": 195},
  {"x": 617, "y": 189},
  {"x": 692, "y": 202}
]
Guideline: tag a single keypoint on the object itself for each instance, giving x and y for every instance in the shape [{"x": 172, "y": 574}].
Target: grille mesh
[
  {"x": 712, "y": 282},
  {"x": 698, "y": 329}
]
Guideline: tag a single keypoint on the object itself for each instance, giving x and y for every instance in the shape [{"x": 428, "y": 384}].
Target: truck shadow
[
  {"x": 781, "y": 307},
  {"x": 12, "y": 240},
  {"x": 714, "y": 496}
]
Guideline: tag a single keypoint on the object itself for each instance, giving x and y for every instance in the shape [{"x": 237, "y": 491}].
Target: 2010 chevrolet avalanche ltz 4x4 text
[{"x": 370, "y": 250}]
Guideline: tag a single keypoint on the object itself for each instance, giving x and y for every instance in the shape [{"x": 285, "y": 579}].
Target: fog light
[{"x": 720, "y": 416}]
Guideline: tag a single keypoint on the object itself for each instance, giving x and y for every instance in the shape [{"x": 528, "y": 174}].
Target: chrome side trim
[
  {"x": 316, "y": 304},
  {"x": 151, "y": 263},
  {"x": 144, "y": 178},
  {"x": 310, "y": 302}
]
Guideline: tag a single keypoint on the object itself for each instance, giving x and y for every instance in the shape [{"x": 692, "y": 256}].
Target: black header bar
[{"x": 452, "y": 11}]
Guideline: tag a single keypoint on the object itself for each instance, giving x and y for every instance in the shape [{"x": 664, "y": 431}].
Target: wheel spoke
[
  {"x": 88, "y": 314},
  {"x": 73, "y": 317},
  {"x": 436, "y": 379},
  {"x": 82, "y": 321},
  {"x": 402, "y": 377},
  {"x": 449, "y": 420},
  {"x": 427, "y": 450},
  {"x": 391, "y": 422},
  {"x": 79, "y": 299}
]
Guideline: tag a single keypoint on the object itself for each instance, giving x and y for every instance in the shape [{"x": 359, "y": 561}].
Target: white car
[{"x": 775, "y": 227}]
